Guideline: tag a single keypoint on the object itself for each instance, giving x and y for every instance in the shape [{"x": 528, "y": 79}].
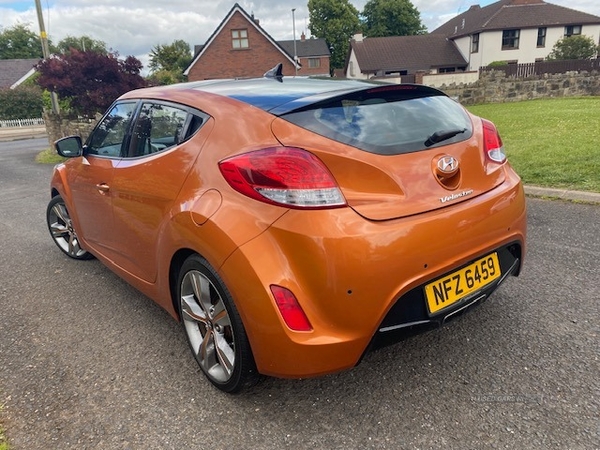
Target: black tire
[
  {"x": 213, "y": 327},
  {"x": 62, "y": 231}
]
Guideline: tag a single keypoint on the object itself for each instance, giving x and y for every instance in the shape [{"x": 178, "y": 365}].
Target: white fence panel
[{"x": 12, "y": 123}]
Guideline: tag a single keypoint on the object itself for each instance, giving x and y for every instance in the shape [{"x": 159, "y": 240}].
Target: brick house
[
  {"x": 313, "y": 55},
  {"x": 241, "y": 48}
]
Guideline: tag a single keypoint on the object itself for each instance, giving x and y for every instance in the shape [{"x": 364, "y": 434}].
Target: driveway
[{"x": 87, "y": 362}]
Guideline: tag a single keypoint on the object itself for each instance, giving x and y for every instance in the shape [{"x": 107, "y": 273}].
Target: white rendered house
[{"x": 515, "y": 31}]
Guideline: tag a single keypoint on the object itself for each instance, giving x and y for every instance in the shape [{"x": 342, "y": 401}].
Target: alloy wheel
[
  {"x": 62, "y": 231},
  {"x": 208, "y": 326}
]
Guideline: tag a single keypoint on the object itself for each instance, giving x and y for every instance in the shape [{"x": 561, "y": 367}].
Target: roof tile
[
  {"x": 411, "y": 53},
  {"x": 12, "y": 70},
  {"x": 513, "y": 14}
]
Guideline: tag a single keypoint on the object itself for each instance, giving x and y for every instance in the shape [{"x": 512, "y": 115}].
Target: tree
[
  {"x": 81, "y": 43},
  {"x": 391, "y": 18},
  {"x": 89, "y": 80},
  {"x": 336, "y": 21},
  {"x": 164, "y": 77},
  {"x": 168, "y": 62},
  {"x": 19, "y": 42},
  {"x": 574, "y": 47}
]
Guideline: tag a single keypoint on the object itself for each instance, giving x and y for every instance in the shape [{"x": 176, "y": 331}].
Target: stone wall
[
  {"x": 59, "y": 126},
  {"x": 495, "y": 87}
]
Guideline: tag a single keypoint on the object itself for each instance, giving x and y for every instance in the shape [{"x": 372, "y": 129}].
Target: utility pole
[
  {"x": 46, "y": 50},
  {"x": 295, "y": 52}
]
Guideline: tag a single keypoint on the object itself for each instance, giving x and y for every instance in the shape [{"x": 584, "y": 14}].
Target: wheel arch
[{"x": 175, "y": 267}]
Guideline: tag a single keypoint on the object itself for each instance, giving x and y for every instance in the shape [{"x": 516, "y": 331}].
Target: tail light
[
  {"x": 492, "y": 142},
  {"x": 286, "y": 176},
  {"x": 290, "y": 309}
]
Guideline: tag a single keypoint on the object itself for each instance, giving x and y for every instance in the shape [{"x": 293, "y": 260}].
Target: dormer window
[{"x": 239, "y": 38}]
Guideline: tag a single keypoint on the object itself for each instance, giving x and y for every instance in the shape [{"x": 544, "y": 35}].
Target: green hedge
[{"x": 21, "y": 103}]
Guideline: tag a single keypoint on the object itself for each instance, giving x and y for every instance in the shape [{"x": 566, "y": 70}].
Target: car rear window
[{"x": 388, "y": 121}]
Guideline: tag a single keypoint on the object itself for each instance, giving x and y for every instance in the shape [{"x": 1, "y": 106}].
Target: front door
[{"x": 91, "y": 180}]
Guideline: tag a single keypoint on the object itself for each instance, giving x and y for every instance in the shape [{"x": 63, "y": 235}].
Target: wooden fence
[{"x": 543, "y": 67}]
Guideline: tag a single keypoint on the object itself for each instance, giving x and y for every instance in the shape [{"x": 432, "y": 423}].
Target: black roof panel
[{"x": 279, "y": 97}]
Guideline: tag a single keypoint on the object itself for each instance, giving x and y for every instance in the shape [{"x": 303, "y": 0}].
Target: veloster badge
[{"x": 449, "y": 198}]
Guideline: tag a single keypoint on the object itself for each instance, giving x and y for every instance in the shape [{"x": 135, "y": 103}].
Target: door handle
[{"x": 103, "y": 188}]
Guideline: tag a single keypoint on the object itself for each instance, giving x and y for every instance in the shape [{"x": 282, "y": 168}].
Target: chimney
[
  {"x": 303, "y": 37},
  {"x": 358, "y": 37}
]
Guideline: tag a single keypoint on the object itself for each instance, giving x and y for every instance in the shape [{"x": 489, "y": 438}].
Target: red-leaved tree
[{"x": 89, "y": 80}]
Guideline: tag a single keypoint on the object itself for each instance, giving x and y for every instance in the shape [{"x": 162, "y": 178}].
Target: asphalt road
[{"x": 86, "y": 362}]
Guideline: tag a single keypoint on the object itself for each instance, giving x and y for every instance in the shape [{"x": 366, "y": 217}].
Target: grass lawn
[
  {"x": 551, "y": 142},
  {"x": 3, "y": 441},
  {"x": 48, "y": 156}
]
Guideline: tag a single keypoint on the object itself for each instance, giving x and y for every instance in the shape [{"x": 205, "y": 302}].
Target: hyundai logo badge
[{"x": 447, "y": 165}]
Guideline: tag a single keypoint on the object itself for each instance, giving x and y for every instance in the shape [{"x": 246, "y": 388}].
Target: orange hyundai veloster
[{"x": 292, "y": 224}]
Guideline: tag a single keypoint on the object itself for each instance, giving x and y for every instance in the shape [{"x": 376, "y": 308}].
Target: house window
[
  {"x": 239, "y": 38},
  {"x": 541, "y": 38},
  {"x": 447, "y": 69},
  {"x": 314, "y": 63},
  {"x": 510, "y": 39},
  {"x": 572, "y": 30},
  {"x": 475, "y": 43}
]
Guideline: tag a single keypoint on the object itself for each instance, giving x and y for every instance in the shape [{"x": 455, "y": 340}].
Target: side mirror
[{"x": 69, "y": 147}]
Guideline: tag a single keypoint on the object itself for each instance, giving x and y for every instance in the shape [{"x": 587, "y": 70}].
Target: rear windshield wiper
[{"x": 442, "y": 135}]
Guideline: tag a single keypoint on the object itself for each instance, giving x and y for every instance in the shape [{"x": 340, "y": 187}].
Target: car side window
[
  {"x": 107, "y": 138},
  {"x": 158, "y": 127}
]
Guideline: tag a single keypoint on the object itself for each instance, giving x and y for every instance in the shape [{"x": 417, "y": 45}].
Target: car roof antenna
[{"x": 276, "y": 72}]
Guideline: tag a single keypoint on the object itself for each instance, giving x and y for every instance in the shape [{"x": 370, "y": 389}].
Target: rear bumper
[
  {"x": 361, "y": 282},
  {"x": 409, "y": 316}
]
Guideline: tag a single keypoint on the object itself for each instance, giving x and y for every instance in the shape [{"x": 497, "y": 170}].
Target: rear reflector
[
  {"x": 285, "y": 176},
  {"x": 290, "y": 309},
  {"x": 492, "y": 142}
]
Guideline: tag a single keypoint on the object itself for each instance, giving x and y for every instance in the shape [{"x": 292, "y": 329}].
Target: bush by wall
[{"x": 21, "y": 103}]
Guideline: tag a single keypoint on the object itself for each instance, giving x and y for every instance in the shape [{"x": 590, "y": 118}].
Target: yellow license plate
[{"x": 450, "y": 289}]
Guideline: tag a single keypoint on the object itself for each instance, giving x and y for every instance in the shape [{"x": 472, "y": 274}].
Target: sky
[{"x": 134, "y": 27}]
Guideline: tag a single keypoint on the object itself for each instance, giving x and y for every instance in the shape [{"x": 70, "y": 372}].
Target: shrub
[
  {"x": 574, "y": 47},
  {"x": 498, "y": 64},
  {"x": 21, "y": 103}
]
